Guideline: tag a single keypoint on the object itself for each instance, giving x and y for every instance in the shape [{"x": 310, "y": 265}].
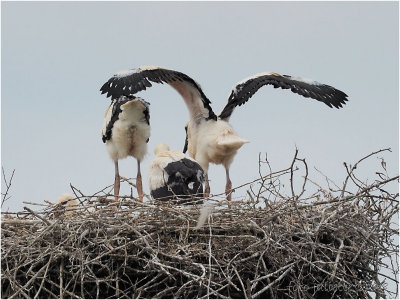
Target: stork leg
[
  {"x": 228, "y": 186},
  {"x": 139, "y": 186},
  {"x": 206, "y": 186},
  {"x": 117, "y": 181}
]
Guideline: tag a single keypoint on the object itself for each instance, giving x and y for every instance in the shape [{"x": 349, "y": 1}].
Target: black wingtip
[
  {"x": 185, "y": 147},
  {"x": 104, "y": 87}
]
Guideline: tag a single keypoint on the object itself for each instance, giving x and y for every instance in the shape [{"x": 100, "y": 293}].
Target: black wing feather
[
  {"x": 136, "y": 80},
  {"x": 306, "y": 88}
]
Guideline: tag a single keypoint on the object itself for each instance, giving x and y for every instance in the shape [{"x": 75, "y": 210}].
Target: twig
[
  {"x": 272, "y": 283},
  {"x": 337, "y": 259},
  {"x": 36, "y": 215},
  {"x": 8, "y": 185},
  {"x": 350, "y": 172},
  {"x": 209, "y": 259},
  {"x": 44, "y": 268}
]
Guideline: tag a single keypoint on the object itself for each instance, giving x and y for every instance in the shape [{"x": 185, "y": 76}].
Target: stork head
[
  {"x": 67, "y": 203},
  {"x": 67, "y": 200},
  {"x": 161, "y": 148}
]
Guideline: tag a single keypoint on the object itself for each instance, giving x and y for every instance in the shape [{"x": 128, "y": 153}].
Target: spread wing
[
  {"x": 308, "y": 88},
  {"x": 127, "y": 83}
]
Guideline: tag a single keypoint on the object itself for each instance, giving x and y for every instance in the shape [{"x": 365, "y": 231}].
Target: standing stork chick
[
  {"x": 173, "y": 176},
  {"x": 126, "y": 132},
  {"x": 68, "y": 203},
  {"x": 210, "y": 138},
  {"x": 215, "y": 142}
]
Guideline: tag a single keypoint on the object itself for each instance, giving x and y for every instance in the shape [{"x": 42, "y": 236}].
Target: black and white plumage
[
  {"x": 210, "y": 138},
  {"x": 173, "y": 176},
  {"x": 307, "y": 88},
  {"x": 126, "y": 131}
]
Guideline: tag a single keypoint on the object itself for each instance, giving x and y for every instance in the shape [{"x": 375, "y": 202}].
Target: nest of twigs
[{"x": 330, "y": 244}]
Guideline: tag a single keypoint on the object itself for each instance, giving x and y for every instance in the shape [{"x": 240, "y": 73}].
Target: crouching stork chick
[
  {"x": 173, "y": 176},
  {"x": 126, "y": 132},
  {"x": 67, "y": 205}
]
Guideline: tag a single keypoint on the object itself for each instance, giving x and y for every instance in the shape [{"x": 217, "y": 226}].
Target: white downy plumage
[
  {"x": 68, "y": 203},
  {"x": 126, "y": 131}
]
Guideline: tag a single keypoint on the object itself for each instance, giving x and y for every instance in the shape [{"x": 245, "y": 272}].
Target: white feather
[
  {"x": 125, "y": 73},
  {"x": 255, "y": 76},
  {"x": 213, "y": 141},
  {"x": 69, "y": 201},
  {"x": 205, "y": 212},
  {"x": 129, "y": 133}
]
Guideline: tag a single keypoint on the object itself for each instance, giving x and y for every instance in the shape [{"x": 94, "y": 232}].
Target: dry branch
[{"x": 8, "y": 185}]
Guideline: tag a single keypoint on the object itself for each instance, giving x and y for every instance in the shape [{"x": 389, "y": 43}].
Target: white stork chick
[
  {"x": 210, "y": 138},
  {"x": 69, "y": 204},
  {"x": 126, "y": 132},
  {"x": 173, "y": 176}
]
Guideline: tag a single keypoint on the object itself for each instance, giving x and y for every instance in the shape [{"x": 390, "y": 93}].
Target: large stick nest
[{"x": 331, "y": 244}]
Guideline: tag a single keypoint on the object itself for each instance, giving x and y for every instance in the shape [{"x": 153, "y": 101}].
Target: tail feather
[{"x": 231, "y": 141}]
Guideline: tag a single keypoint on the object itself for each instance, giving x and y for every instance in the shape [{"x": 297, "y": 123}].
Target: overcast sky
[{"x": 56, "y": 56}]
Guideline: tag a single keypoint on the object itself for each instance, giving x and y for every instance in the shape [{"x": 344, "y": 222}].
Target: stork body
[
  {"x": 213, "y": 142},
  {"x": 210, "y": 138},
  {"x": 173, "y": 176},
  {"x": 126, "y": 132}
]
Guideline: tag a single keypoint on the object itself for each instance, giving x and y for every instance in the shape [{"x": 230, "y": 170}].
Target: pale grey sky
[{"x": 56, "y": 56}]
